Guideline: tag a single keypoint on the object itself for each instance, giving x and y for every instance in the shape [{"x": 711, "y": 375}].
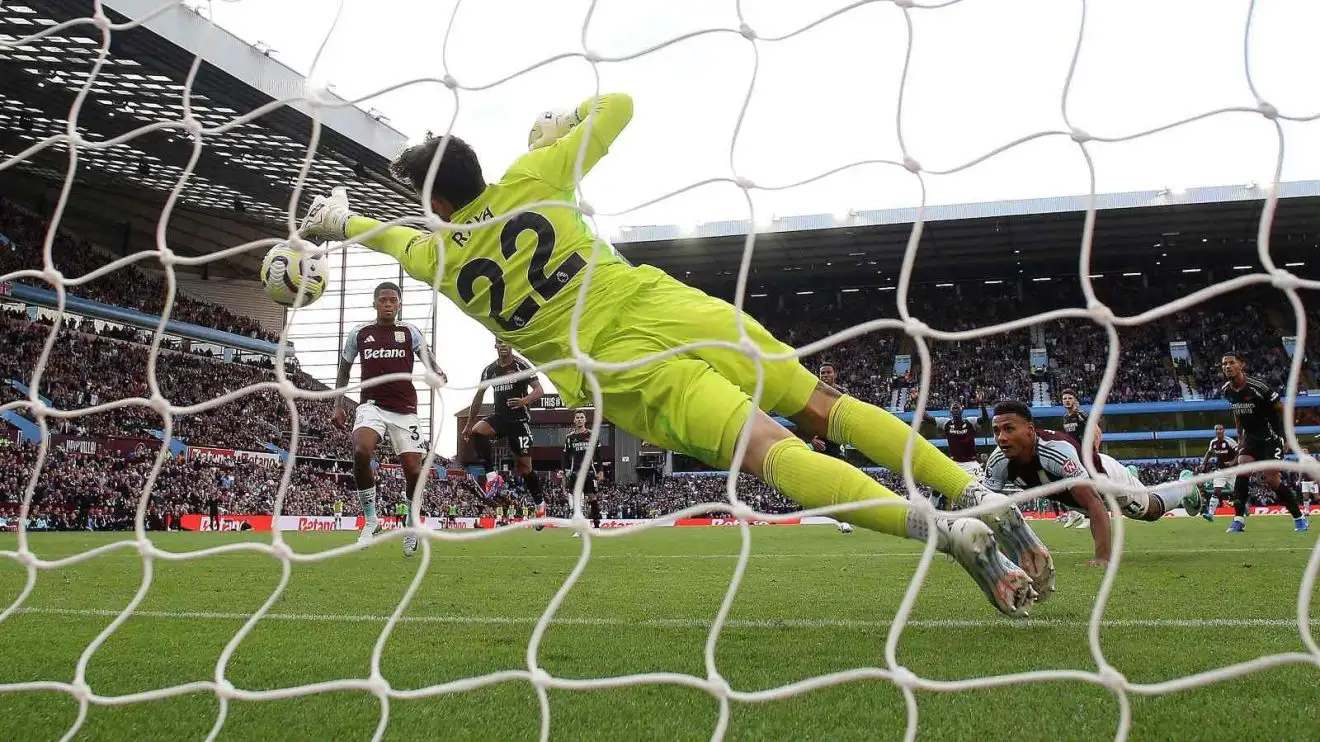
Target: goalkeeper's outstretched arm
[
  {"x": 599, "y": 121},
  {"x": 458, "y": 182}
]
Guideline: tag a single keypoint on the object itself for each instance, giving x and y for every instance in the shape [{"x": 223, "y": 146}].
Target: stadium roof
[
  {"x": 1198, "y": 228},
  {"x": 243, "y": 181}
]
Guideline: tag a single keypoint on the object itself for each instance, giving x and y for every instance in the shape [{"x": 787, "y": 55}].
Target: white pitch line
[
  {"x": 844, "y": 555},
  {"x": 692, "y": 623}
]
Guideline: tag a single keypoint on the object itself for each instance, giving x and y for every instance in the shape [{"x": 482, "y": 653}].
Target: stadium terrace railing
[{"x": 74, "y": 305}]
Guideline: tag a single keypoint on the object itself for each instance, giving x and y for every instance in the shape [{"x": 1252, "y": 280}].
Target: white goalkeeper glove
[
  {"x": 327, "y": 219},
  {"x": 550, "y": 126}
]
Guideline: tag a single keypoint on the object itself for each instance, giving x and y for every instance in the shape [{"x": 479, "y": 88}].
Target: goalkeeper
[{"x": 520, "y": 278}]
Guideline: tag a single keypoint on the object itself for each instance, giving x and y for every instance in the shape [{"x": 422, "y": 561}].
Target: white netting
[{"x": 1105, "y": 674}]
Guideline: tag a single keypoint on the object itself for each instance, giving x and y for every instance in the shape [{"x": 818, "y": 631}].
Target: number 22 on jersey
[{"x": 542, "y": 280}]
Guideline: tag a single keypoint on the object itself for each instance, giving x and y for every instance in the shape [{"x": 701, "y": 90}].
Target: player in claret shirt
[
  {"x": 1223, "y": 451},
  {"x": 386, "y": 346},
  {"x": 961, "y": 433},
  {"x": 1258, "y": 410},
  {"x": 514, "y": 255}
]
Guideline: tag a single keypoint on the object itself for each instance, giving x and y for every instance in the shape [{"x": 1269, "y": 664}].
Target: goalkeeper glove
[
  {"x": 550, "y": 126},
  {"x": 327, "y": 219}
]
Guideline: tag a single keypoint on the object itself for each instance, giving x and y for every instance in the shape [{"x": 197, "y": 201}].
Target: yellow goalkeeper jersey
[{"x": 520, "y": 278}]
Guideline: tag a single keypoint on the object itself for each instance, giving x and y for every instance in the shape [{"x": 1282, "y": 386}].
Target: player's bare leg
[
  {"x": 365, "y": 441},
  {"x": 412, "y": 472},
  {"x": 931, "y": 467},
  {"x": 814, "y": 479}
]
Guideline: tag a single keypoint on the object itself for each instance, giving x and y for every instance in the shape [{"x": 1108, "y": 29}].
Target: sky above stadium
[{"x": 982, "y": 74}]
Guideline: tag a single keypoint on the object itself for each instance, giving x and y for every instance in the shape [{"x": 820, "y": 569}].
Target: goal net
[{"x": 918, "y": 165}]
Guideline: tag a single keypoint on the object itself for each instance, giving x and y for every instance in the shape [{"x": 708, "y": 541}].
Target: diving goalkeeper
[{"x": 520, "y": 278}]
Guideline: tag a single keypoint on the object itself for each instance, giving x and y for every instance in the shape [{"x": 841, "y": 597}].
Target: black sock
[
  {"x": 481, "y": 446},
  {"x": 1288, "y": 499},
  {"x": 1241, "y": 487},
  {"x": 533, "y": 484}
]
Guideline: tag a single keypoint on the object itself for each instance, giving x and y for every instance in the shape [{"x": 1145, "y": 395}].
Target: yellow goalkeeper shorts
[{"x": 695, "y": 402}]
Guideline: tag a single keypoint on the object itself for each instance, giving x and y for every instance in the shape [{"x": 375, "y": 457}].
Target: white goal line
[{"x": 690, "y": 623}]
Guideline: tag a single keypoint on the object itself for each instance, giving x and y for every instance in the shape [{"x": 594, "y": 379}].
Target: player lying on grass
[
  {"x": 1029, "y": 457},
  {"x": 520, "y": 276}
]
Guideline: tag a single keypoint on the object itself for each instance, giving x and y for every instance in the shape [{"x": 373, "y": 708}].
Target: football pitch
[{"x": 1189, "y": 598}]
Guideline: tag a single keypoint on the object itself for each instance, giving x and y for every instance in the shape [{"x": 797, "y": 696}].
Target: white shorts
[
  {"x": 404, "y": 431},
  {"x": 1221, "y": 483},
  {"x": 1310, "y": 488}
]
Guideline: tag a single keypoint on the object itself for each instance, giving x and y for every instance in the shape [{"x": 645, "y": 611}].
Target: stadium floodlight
[
  {"x": 1241, "y": 267},
  {"x": 993, "y": 281},
  {"x": 849, "y": 291},
  {"x": 804, "y": 293},
  {"x": 1191, "y": 270},
  {"x": 1133, "y": 273},
  {"x": 1041, "y": 279},
  {"x": 1294, "y": 265}
]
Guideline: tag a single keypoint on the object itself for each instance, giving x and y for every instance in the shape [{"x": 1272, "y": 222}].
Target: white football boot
[
  {"x": 972, "y": 544},
  {"x": 369, "y": 531},
  {"x": 1020, "y": 543}
]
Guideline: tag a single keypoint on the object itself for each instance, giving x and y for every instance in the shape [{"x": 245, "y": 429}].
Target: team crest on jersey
[
  {"x": 1071, "y": 467},
  {"x": 398, "y": 336}
]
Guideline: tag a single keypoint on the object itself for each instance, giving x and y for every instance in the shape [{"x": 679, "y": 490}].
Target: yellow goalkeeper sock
[
  {"x": 881, "y": 437},
  {"x": 816, "y": 480}
]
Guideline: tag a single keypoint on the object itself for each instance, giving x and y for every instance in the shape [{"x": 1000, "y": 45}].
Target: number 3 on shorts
[{"x": 416, "y": 435}]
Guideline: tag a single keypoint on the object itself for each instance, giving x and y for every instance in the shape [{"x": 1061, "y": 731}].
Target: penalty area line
[{"x": 689, "y": 623}]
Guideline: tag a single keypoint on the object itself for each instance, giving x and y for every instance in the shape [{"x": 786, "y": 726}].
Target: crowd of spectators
[
  {"x": 1250, "y": 321},
  {"x": 85, "y": 370},
  {"x": 127, "y": 287},
  {"x": 102, "y": 491}
]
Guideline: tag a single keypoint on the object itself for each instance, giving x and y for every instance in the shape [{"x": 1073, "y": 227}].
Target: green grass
[{"x": 812, "y": 602}]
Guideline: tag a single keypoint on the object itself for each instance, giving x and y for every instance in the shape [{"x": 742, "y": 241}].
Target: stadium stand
[
  {"x": 127, "y": 287},
  {"x": 100, "y": 491}
]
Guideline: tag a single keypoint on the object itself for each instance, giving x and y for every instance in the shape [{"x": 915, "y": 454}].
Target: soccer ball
[
  {"x": 539, "y": 527},
  {"x": 844, "y": 528},
  {"x": 285, "y": 269}
]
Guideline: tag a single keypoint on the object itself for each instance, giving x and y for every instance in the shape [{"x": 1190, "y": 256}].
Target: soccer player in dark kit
[
  {"x": 1258, "y": 410},
  {"x": 829, "y": 376},
  {"x": 576, "y": 445},
  {"x": 1074, "y": 420},
  {"x": 511, "y": 419}
]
